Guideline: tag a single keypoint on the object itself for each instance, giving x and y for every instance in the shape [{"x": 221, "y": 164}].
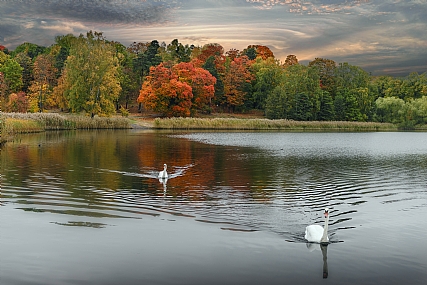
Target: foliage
[
  {"x": 12, "y": 72},
  {"x": 30, "y": 49},
  {"x": 268, "y": 75},
  {"x": 95, "y": 76},
  {"x": 18, "y": 102},
  {"x": 237, "y": 81},
  {"x": 27, "y": 69},
  {"x": 298, "y": 93},
  {"x": 44, "y": 80},
  {"x": 91, "y": 82},
  {"x": 254, "y": 51},
  {"x": 177, "y": 91},
  {"x": 389, "y": 109},
  {"x": 176, "y": 52}
]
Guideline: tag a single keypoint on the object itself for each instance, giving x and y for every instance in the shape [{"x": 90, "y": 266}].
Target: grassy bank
[
  {"x": 13, "y": 123},
  {"x": 265, "y": 124}
]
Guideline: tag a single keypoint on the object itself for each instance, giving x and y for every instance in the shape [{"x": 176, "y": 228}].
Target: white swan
[
  {"x": 316, "y": 233},
  {"x": 163, "y": 173}
]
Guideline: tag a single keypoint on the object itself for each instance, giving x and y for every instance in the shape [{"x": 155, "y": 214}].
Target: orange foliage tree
[
  {"x": 237, "y": 81},
  {"x": 254, "y": 51},
  {"x": 180, "y": 90}
]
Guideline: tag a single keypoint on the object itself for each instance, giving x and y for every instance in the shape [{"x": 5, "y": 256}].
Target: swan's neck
[{"x": 324, "y": 238}]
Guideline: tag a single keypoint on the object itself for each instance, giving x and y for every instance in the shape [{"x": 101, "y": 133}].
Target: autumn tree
[
  {"x": 44, "y": 81},
  {"x": 18, "y": 102},
  {"x": 326, "y": 69},
  {"x": 291, "y": 60},
  {"x": 232, "y": 54},
  {"x": 208, "y": 50},
  {"x": 213, "y": 60},
  {"x": 254, "y": 51},
  {"x": 237, "y": 81},
  {"x": 91, "y": 78},
  {"x": 181, "y": 90}
]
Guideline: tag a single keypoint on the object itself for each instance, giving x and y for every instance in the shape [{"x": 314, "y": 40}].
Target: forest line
[{"x": 92, "y": 75}]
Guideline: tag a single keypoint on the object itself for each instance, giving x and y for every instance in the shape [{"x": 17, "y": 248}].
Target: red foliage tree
[
  {"x": 209, "y": 50},
  {"x": 261, "y": 51},
  {"x": 177, "y": 91},
  {"x": 237, "y": 78}
]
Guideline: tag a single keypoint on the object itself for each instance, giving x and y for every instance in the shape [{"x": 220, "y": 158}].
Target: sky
[{"x": 382, "y": 37}]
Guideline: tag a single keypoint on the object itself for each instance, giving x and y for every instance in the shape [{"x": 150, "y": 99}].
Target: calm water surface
[{"x": 87, "y": 208}]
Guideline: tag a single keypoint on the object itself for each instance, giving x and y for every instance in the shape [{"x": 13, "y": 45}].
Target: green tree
[
  {"x": 420, "y": 106},
  {"x": 346, "y": 106},
  {"x": 64, "y": 44},
  {"x": 302, "y": 83},
  {"x": 11, "y": 79},
  {"x": 150, "y": 57},
  {"x": 326, "y": 69},
  {"x": 92, "y": 83},
  {"x": 389, "y": 109},
  {"x": 277, "y": 105},
  {"x": 350, "y": 77},
  {"x": 27, "y": 69},
  {"x": 176, "y": 52},
  {"x": 30, "y": 49},
  {"x": 326, "y": 109},
  {"x": 268, "y": 75},
  {"x": 303, "y": 109}
]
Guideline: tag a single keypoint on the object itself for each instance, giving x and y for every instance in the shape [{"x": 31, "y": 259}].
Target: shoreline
[{"x": 21, "y": 123}]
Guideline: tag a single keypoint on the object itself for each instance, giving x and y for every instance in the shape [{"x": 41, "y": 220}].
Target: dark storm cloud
[
  {"x": 39, "y": 21},
  {"x": 101, "y": 11}
]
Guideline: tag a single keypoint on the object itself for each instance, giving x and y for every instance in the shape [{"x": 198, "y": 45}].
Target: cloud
[
  {"x": 39, "y": 21},
  {"x": 98, "y": 11},
  {"x": 310, "y": 7},
  {"x": 371, "y": 34}
]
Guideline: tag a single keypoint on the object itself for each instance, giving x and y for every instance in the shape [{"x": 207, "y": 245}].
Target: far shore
[{"x": 16, "y": 123}]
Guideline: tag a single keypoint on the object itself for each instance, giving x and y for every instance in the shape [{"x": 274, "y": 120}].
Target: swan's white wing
[{"x": 313, "y": 233}]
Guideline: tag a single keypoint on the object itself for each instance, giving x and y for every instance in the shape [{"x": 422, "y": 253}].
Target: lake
[{"x": 86, "y": 207}]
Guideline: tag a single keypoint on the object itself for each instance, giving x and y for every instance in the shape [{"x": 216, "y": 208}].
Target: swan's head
[
  {"x": 326, "y": 213},
  {"x": 165, "y": 166}
]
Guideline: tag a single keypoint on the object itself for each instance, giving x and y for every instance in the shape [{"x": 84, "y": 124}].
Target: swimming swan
[
  {"x": 163, "y": 173},
  {"x": 316, "y": 233}
]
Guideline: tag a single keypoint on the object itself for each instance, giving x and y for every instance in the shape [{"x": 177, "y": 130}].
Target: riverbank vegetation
[
  {"x": 13, "y": 123},
  {"x": 91, "y": 75},
  {"x": 266, "y": 124}
]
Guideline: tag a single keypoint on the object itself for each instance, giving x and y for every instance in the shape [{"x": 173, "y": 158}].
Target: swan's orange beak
[{"x": 326, "y": 214}]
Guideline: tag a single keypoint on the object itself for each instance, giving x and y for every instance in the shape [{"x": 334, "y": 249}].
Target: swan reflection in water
[
  {"x": 164, "y": 181},
  {"x": 324, "y": 249}
]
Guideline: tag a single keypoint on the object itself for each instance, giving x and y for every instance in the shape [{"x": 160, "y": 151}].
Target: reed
[
  {"x": 33, "y": 122},
  {"x": 14, "y": 126},
  {"x": 266, "y": 124}
]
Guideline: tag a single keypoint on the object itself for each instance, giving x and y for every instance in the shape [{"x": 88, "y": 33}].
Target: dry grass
[
  {"x": 33, "y": 122},
  {"x": 265, "y": 124}
]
